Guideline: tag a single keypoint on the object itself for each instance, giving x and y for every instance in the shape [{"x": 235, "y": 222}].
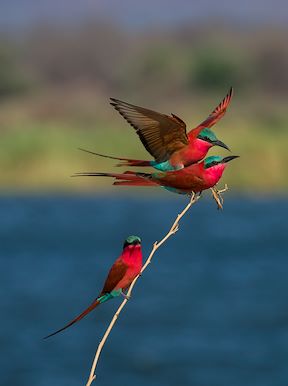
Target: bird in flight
[{"x": 165, "y": 137}]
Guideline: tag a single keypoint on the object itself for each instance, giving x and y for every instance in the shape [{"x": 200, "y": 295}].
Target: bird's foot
[
  {"x": 127, "y": 297},
  {"x": 194, "y": 196},
  {"x": 217, "y": 195}
]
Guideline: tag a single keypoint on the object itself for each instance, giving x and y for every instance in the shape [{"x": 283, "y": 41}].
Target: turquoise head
[
  {"x": 209, "y": 136},
  {"x": 132, "y": 240},
  {"x": 217, "y": 160}
]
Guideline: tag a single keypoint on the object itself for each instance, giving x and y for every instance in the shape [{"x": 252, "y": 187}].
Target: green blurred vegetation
[
  {"x": 12, "y": 78},
  {"x": 55, "y": 84}
]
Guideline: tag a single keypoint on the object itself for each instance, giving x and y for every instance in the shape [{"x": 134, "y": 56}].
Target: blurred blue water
[{"x": 212, "y": 309}]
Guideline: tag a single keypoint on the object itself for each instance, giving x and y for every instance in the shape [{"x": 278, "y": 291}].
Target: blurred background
[
  {"x": 60, "y": 63},
  {"x": 224, "y": 273}
]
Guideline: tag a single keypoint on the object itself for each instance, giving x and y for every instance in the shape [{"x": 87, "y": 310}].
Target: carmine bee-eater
[
  {"x": 194, "y": 178},
  {"x": 122, "y": 273},
  {"x": 165, "y": 137}
]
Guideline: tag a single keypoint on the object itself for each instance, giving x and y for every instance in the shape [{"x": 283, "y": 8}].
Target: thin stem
[
  {"x": 174, "y": 228},
  {"x": 217, "y": 195}
]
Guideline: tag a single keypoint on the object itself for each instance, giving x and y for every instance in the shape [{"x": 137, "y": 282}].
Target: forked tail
[
  {"x": 124, "y": 161},
  {"x": 79, "y": 317}
]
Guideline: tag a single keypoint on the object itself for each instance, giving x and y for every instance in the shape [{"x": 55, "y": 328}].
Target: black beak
[
  {"x": 221, "y": 144},
  {"x": 228, "y": 159}
]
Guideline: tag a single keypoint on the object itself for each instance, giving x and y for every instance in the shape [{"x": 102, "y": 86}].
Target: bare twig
[
  {"x": 174, "y": 228},
  {"x": 217, "y": 195}
]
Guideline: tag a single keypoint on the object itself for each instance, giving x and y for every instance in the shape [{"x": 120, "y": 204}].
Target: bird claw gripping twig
[
  {"x": 127, "y": 297},
  {"x": 217, "y": 195}
]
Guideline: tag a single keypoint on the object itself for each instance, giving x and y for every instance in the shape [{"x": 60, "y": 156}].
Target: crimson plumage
[
  {"x": 165, "y": 136},
  {"x": 122, "y": 273},
  {"x": 194, "y": 178}
]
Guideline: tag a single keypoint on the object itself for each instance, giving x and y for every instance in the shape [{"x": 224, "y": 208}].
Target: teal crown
[
  {"x": 216, "y": 159},
  {"x": 207, "y": 134},
  {"x": 132, "y": 239},
  {"x": 212, "y": 160}
]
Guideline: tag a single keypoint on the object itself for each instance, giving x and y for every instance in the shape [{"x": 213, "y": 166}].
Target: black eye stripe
[
  {"x": 213, "y": 163},
  {"x": 207, "y": 139}
]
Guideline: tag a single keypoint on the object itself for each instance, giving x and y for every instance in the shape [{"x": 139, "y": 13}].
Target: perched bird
[
  {"x": 194, "y": 178},
  {"x": 165, "y": 137},
  {"x": 122, "y": 273}
]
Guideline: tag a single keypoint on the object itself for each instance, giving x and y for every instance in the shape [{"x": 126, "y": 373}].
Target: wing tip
[
  {"x": 117, "y": 103},
  {"x": 230, "y": 93},
  {"x": 225, "y": 102}
]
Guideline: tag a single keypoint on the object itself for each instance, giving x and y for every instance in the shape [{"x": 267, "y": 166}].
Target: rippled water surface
[{"x": 212, "y": 309}]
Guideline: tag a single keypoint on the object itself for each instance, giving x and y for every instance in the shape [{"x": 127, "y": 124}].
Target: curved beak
[
  {"x": 228, "y": 159},
  {"x": 221, "y": 144}
]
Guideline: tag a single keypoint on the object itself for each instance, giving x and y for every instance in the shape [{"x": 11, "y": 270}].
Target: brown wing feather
[
  {"x": 216, "y": 114},
  {"x": 160, "y": 134},
  {"x": 116, "y": 273}
]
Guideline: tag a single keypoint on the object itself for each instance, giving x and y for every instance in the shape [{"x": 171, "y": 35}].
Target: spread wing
[
  {"x": 161, "y": 134},
  {"x": 116, "y": 273},
  {"x": 216, "y": 114}
]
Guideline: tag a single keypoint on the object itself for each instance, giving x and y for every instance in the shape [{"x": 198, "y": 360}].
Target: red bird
[
  {"x": 165, "y": 137},
  {"x": 122, "y": 273},
  {"x": 194, "y": 178}
]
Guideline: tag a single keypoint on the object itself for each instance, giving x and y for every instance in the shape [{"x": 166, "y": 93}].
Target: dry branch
[
  {"x": 174, "y": 228},
  {"x": 217, "y": 195}
]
